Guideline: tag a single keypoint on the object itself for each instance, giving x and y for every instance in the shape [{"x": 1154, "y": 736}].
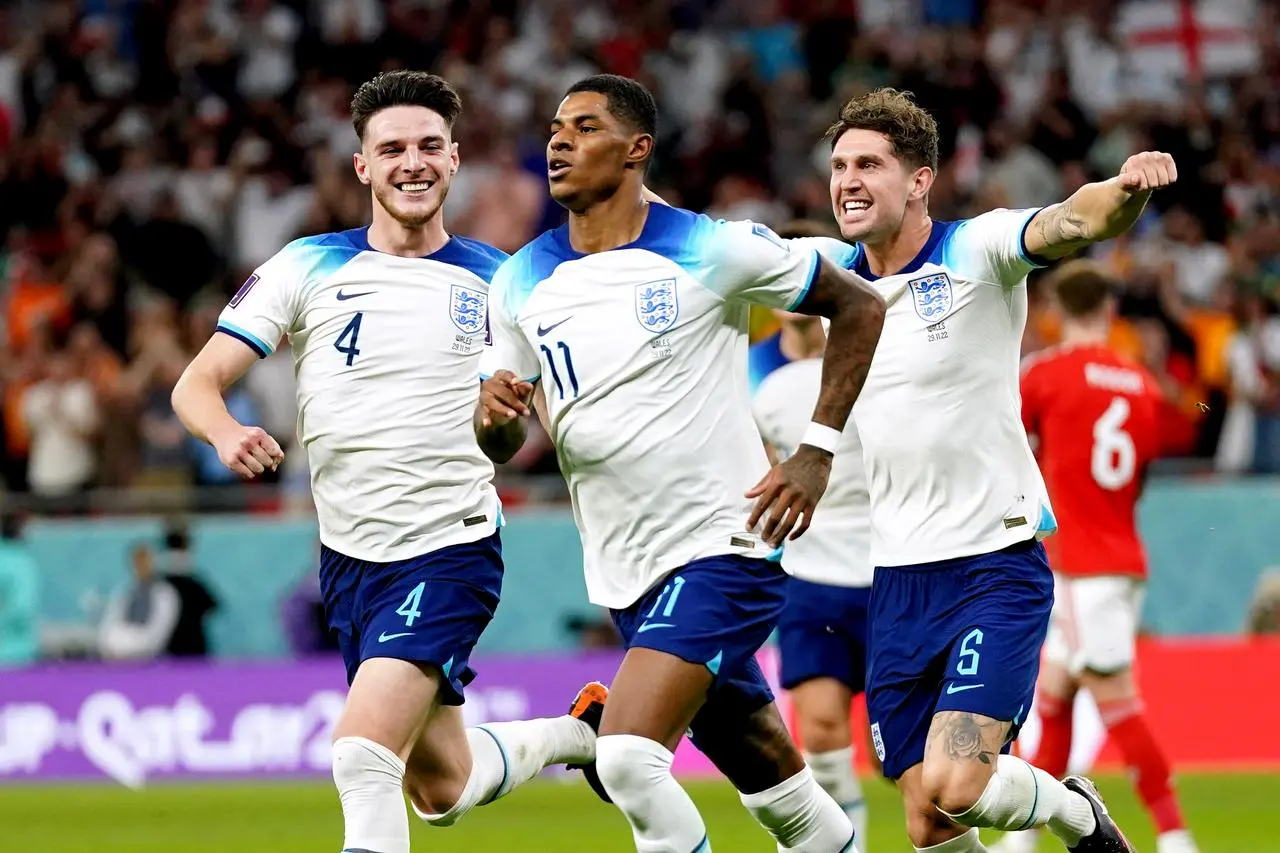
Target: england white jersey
[
  {"x": 836, "y": 549},
  {"x": 949, "y": 468},
  {"x": 642, "y": 354},
  {"x": 386, "y": 351}
]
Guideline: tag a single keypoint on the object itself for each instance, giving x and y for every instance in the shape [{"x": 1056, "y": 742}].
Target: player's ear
[
  {"x": 454, "y": 159},
  {"x": 361, "y": 167},
  {"x": 921, "y": 182},
  {"x": 641, "y": 151}
]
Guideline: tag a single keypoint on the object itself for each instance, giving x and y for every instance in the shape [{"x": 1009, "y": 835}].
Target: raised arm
[{"x": 1102, "y": 210}]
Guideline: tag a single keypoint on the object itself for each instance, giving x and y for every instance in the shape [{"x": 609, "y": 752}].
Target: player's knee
[
  {"x": 824, "y": 729},
  {"x": 926, "y": 826},
  {"x": 630, "y": 765},
  {"x": 954, "y": 788},
  {"x": 434, "y": 797},
  {"x": 360, "y": 766}
]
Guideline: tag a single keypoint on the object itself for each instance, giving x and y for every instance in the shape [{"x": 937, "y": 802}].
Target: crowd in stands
[{"x": 154, "y": 152}]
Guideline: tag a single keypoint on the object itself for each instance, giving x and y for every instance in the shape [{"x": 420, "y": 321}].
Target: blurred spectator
[
  {"x": 140, "y": 618},
  {"x": 62, "y": 417},
  {"x": 196, "y": 602},
  {"x": 157, "y": 614},
  {"x": 19, "y": 596}
]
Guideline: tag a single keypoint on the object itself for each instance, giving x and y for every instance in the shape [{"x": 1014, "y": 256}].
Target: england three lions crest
[
  {"x": 932, "y": 296},
  {"x": 467, "y": 308},
  {"x": 656, "y": 305}
]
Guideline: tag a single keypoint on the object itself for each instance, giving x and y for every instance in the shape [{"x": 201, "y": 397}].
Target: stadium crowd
[{"x": 153, "y": 152}]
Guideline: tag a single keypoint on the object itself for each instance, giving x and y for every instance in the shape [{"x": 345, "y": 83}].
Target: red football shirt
[{"x": 1096, "y": 414}]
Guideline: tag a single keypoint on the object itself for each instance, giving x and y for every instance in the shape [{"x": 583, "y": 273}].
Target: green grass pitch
[{"x": 1227, "y": 812}]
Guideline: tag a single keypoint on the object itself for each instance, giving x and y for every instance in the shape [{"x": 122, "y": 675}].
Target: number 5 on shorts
[
  {"x": 969, "y": 656},
  {"x": 409, "y": 610}
]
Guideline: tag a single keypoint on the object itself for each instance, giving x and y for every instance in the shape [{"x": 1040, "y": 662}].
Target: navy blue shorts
[
  {"x": 430, "y": 609},
  {"x": 718, "y": 612},
  {"x": 822, "y": 633},
  {"x": 955, "y": 635}
]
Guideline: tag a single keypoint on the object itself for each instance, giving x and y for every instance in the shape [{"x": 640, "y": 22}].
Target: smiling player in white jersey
[
  {"x": 633, "y": 320},
  {"x": 962, "y": 592},
  {"x": 822, "y": 632},
  {"x": 387, "y": 324}
]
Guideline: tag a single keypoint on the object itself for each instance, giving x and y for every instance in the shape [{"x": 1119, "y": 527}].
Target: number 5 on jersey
[{"x": 350, "y": 336}]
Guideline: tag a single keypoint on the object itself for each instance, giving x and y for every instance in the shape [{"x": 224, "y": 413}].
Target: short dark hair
[
  {"x": 628, "y": 100},
  {"x": 404, "y": 88},
  {"x": 912, "y": 132},
  {"x": 1081, "y": 288}
]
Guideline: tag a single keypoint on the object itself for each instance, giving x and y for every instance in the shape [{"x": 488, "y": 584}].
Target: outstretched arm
[{"x": 1102, "y": 210}]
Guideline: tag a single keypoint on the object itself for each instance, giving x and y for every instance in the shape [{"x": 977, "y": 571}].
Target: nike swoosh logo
[
  {"x": 953, "y": 688},
  {"x": 343, "y": 297},
  {"x": 384, "y": 636},
  {"x": 542, "y": 331},
  {"x": 649, "y": 626}
]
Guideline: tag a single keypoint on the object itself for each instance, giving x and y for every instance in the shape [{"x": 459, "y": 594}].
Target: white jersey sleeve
[
  {"x": 839, "y": 252},
  {"x": 506, "y": 347},
  {"x": 265, "y": 308},
  {"x": 991, "y": 247},
  {"x": 748, "y": 262}
]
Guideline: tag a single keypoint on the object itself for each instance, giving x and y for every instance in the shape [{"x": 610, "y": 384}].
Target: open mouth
[
  {"x": 855, "y": 206},
  {"x": 417, "y": 188},
  {"x": 557, "y": 167}
]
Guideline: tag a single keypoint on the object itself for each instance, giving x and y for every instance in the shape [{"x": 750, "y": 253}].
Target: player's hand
[
  {"x": 248, "y": 451},
  {"x": 1147, "y": 171},
  {"x": 502, "y": 399},
  {"x": 789, "y": 493}
]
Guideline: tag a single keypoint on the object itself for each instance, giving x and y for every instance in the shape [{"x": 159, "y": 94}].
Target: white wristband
[{"x": 822, "y": 437}]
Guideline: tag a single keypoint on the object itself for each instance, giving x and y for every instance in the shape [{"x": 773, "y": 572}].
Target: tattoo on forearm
[
  {"x": 965, "y": 738},
  {"x": 855, "y": 330},
  {"x": 1062, "y": 225}
]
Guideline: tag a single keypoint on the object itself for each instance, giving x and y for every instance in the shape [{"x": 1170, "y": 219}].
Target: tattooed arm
[
  {"x": 1099, "y": 211},
  {"x": 857, "y": 312}
]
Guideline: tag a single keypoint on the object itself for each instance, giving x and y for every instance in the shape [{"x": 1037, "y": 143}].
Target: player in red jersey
[{"x": 1097, "y": 416}]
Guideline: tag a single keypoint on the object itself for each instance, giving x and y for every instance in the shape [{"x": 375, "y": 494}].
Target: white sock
[
  {"x": 370, "y": 781},
  {"x": 506, "y": 755},
  {"x": 1020, "y": 796},
  {"x": 801, "y": 816},
  {"x": 970, "y": 842},
  {"x": 636, "y": 772},
  {"x": 834, "y": 772}
]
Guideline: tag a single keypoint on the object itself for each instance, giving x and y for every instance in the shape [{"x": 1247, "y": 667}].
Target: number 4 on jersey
[
  {"x": 1114, "y": 458},
  {"x": 346, "y": 342}
]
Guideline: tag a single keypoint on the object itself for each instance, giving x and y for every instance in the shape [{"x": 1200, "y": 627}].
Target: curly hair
[{"x": 912, "y": 132}]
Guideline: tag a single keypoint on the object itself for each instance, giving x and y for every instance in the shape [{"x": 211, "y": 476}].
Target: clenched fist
[
  {"x": 248, "y": 451},
  {"x": 1147, "y": 171},
  {"x": 503, "y": 398}
]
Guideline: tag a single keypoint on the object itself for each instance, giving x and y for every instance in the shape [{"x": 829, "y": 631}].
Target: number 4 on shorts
[{"x": 409, "y": 610}]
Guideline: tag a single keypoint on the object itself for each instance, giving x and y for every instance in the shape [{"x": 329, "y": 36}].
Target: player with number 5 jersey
[{"x": 387, "y": 324}]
